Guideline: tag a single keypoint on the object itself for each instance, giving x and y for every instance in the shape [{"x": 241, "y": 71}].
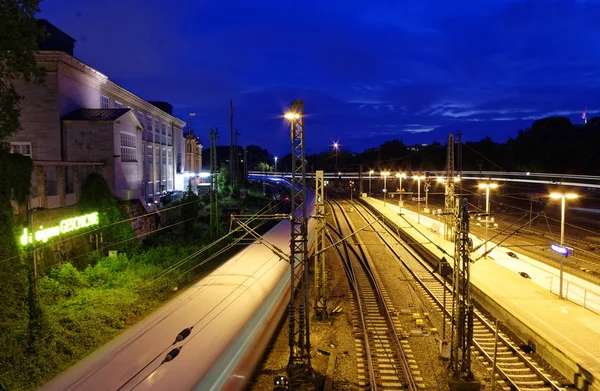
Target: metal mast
[
  {"x": 299, "y": 366},
  {"x": 320, "y": 265},
  {"x": 231, "y": 141},
  {"x": 214, "y": 193},
  {"x": 462, "y": 307},
  {"x": 449, "y": 199}
]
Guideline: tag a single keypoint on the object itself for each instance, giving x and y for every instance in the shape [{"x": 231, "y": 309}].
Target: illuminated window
[
  {"x": 103, "y": 102},
  {"x": 128, "y": 147},
  {"x": 118, "y": 105},
  {"x": 21, "y": 148}
]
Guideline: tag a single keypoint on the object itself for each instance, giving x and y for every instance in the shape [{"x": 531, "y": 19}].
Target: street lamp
[
  {"x": 400, "y": 175},
  {"x": 370, "y": 176},
  {"x": 384, "y": 174},
  {"x": 336, "y": 147},
  {"x": 275, "y": 163},
  {"x": 351, "y": 190},
  {"x": 487, "y": 187},
  {"x": 418, "y": 178},
  {"x": 563, "y": 197}
]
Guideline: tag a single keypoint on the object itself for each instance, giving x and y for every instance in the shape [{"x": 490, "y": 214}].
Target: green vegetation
[
  {"x": 97, "y": 197},
  {"x": 84, "y": 305},
  {"x": 19, "y": 314}
]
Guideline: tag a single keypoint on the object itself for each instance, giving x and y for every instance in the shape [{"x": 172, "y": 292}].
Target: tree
[
  {"x": 19, "y": 34},
  {"x": 114, "y": 224},
  {"x": 223, "y": 180},
  {"x": 189, "y": 210}
]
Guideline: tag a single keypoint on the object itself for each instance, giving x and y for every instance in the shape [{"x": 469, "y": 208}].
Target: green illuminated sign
[{"x": 66, "y": 225}]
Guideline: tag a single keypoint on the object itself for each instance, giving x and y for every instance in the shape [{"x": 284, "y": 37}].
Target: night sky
[{"x": 369, "y": 71}]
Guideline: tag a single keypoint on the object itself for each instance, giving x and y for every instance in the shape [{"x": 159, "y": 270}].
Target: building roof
[
  {"x": 164, "y": 106},
  {"x": 95, "y": 115},
  {"x": 55, "y": 38}
]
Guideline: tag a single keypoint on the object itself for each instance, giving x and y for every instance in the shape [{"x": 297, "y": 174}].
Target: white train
[{"x": 232, "y": 314}]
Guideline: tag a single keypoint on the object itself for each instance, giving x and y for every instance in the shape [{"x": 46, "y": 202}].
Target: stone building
[{"x": 80, "y": 121}]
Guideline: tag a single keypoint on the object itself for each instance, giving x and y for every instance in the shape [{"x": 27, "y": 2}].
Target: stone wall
[{"x": 40, "y": 118}]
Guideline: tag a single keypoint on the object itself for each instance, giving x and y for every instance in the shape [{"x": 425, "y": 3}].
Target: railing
[{"x": 576, "y": 294}]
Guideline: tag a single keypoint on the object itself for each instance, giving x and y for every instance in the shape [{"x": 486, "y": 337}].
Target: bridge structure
[{"x": 584, "y": 181}]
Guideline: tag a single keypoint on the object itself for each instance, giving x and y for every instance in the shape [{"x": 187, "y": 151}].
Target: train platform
[{"x": 564, "y": 333}]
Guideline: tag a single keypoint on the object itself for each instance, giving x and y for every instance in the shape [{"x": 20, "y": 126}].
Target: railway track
[
  {"x": 515, "y": 370},
  {"x": 385, "y": 360}
]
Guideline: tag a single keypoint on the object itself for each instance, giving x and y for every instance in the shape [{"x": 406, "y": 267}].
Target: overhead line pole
[
  {"x": 231, "y": 157},
  {"x": 300, "y": 371}
]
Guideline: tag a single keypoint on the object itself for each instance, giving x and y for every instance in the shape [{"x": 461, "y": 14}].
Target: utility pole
[
  {"x": 462, "y": 307},
  {"x": 236, "y": 179},
  {"x": 320, "y": 262},
  {"x": 231, "y": 157},
  {"x": 245, "y": 165},
  {"x": 214, "y": 191},
  {"x": 360, "y": 180},
  {"x": 449, "y": 200},
  {"x": 35, "y": 312},
  {"x": 300, "y": 371}
]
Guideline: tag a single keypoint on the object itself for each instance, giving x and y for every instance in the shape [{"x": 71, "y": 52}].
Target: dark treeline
[{"x": 552, "y": 145}]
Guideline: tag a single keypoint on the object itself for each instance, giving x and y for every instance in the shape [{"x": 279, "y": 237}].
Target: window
[
  {"x": 103, "y": 102},
  {"x": 150, "y": 154},
  {"x": 128, "y": 147},
  {"x": 118, "y": 105},
  {"x": 21, "y": 148},
  {"x": 170, "y": 136},
  {"x": 149, "y": 123},
  {"x": 164, "y": 128},
  {"x": 170, "y": 170},
  {"x": 164, "y": 156},
  {"x": 150, "y": 188}
]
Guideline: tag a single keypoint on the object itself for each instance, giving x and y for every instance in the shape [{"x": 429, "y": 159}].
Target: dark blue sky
[{"x": 369, "y": 71}]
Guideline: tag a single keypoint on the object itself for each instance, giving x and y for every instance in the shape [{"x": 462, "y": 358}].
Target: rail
[{"x": 426, "y": 262}]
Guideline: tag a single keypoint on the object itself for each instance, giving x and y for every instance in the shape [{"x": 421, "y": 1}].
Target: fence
[{"x": 576, "y": 294}]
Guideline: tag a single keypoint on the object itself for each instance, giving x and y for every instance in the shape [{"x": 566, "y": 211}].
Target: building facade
[
  {"x": 193, "y": 154},
  {"x": 80, "y": 121}
]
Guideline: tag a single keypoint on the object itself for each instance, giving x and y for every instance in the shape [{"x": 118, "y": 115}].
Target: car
[{"x": 512, "y": 255}]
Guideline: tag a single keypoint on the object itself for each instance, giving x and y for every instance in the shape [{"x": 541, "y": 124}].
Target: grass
[{"x": 84, "y": 308}]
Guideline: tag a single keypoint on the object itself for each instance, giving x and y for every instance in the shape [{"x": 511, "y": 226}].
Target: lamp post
[
  {"x": 275, "y": 163},
  {"x": 418, "y": 178},
  {"x": 563, "y": 197},
  {"x": 351, "y": 190},
  {"x": 487, "y": 187},
  {"x": 400, "y": 175},
  {"x": 336, "y": 147},
  {"x": 385, "y": 174},
  {"x": 370, "y": 176}
]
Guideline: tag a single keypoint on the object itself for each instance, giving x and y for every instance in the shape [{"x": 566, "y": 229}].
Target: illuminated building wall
[{"x": 75, "y": 124}]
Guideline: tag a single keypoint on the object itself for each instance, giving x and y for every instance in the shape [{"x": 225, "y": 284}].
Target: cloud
[{"x": 366, "y": 70}]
